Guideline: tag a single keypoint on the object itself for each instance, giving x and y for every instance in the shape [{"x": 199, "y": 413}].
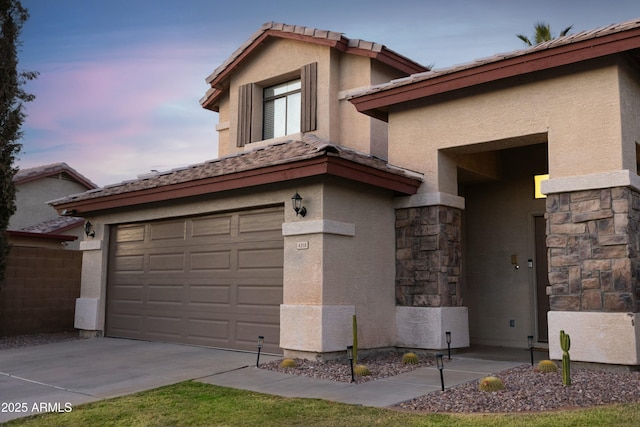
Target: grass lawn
[{"x": 192, "y": 403}]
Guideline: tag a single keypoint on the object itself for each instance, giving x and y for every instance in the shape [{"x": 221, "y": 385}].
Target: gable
[{"x": 218, "y": 80}]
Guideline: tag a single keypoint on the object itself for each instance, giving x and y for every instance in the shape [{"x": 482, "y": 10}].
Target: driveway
[{"x": 59, "y": 376}]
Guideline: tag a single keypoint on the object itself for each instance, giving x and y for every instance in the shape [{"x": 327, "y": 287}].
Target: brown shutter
[
  {"x": 245, "y": 99},
  {"x": 309, "y": 77}
]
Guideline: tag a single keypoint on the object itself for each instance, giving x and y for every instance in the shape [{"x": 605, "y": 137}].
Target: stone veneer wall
[
  {"x": 428, "y": 256},
  {"x": 593, "y": 238}
]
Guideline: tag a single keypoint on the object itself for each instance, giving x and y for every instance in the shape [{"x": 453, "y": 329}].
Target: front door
[{"x": 542, "y": 277}]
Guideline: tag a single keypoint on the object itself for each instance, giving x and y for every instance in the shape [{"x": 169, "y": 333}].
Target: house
[
  {"x": 418, "y": 211},
  {"x": 35, "y": 223}
]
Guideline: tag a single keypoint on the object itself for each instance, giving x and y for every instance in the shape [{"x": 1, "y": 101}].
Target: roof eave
[
  {"x": 326, "y": 165},
  {"x": 376, "y": 104}
]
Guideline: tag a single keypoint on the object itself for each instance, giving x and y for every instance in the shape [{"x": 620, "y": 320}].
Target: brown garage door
[{"x": 210, "y": 280}]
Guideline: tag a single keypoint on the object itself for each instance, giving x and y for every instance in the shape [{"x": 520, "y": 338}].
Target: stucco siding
[
  {"x": 31, "y": 198},
  {"x": 579, "y": 111}
]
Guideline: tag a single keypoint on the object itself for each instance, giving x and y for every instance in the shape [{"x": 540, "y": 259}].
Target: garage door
[{"x": 210, "y": 280}]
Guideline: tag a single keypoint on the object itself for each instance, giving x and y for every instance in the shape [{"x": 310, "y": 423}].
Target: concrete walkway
[
  {"x": 380, "y": 393},
  {"x": 67, "y": 374}
]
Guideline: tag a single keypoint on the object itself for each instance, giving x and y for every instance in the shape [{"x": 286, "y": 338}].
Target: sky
[{"x": 120, "y": 81}]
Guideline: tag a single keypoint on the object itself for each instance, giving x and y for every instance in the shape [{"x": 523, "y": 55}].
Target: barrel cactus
[
  {"x": 547, "y": 366},
  {"x": 288, "y": 363},
  {"x": 361, "y": 371},
  {"x": 491, "y": 384},
  {"x": 410, "y": 359}
]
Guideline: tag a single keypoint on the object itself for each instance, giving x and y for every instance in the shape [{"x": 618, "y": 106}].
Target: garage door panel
[
  {"x": 164, "y": 294},
  {"x": 166, "y": 262},
  {"x": 129, "y": 263},
  {"x": 214, "y": 280},
  {"x": 259, "y": 222},
  {"x": 220, "y": 260},
  {"x": 211, "y": 226},
  {"x": 167, "y": 230},
  {"x": 260, "y": 258},
  {"x": 130, "y": 233},
  {"x": 259, "y": 295},
  {"x": 130, "y": 292},
  {"x": 209, "y": 295}
]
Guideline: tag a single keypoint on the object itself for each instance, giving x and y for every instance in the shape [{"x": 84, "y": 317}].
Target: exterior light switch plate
[{"x": 302, "y": 245}]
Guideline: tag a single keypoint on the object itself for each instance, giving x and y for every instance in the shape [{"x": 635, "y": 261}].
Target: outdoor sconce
[
  {"x": 350, "y": 357},
  {"x": 448, "y": 335},
  {"x": 260, "y": 343},
  {"x": 88, "y": 229},
  {"x": 297, "y": 205},
  {"x": 530, "y": 341},
  {"x": 440, "y": 365}
]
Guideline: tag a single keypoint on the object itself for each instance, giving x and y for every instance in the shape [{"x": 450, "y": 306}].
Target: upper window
[
  {"x": 266, "y": 112},
  {"x": 282, "y": 104}
]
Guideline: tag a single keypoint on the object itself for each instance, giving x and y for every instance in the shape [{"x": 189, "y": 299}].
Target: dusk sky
[{"x": 120, "y": 81}]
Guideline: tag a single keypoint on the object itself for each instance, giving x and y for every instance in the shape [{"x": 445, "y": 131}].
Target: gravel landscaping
[
  {"x": 19, "y": 341},
  {"x": 526, "y": 389}
]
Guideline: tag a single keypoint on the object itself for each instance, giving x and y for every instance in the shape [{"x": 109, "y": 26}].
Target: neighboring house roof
[
  {"x": 273, "y": 163},
  {"x": 32, "y": 174},
  {"x": 310, "y": 35},
  {"x": 55, "y": 226},
  {"x": 616, "y": 38}
]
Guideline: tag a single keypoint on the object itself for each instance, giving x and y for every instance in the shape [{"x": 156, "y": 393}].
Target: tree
[
  {"x": 542, "y": 34},
  {"x": 12, "y": 99}
]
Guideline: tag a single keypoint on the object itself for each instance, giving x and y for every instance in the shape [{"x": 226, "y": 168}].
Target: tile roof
[
  {"x": 276, "y": 154},
  {"x": 55, "y": 225},
  {"x": 552, "y": 44},
  {"x": 43, "y": 171}
]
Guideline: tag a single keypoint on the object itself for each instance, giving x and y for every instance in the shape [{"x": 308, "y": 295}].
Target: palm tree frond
[
  {"x": 525, "y": 39},
  {"x": 566, "y": 31}
]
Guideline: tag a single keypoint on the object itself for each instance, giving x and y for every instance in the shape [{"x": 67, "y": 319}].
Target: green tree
[
  {"x": 12, "y": 98},
  {"x": 542, "y": 34}
]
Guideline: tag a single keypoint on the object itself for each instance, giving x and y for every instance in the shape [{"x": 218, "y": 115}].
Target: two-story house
[
  {"x": 214, "y": 254},
  {"x": 354, "y": 181}
]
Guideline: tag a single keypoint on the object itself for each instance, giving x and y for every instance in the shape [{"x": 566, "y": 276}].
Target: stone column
[
  {"x": 428, "y": 256},
  {"x": 593, "y": 238}
]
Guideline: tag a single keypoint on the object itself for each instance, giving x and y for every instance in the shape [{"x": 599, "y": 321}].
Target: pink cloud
[{"x": 126, "y": 112}]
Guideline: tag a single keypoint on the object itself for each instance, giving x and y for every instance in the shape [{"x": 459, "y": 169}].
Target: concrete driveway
[{"x": 59, "y": 376}]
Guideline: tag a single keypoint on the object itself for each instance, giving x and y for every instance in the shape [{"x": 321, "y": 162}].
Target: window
[
  {"x": 277, "y": 110},
  {"x": 282, "y": 105}
]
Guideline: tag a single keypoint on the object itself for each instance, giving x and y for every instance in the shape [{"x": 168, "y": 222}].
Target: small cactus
[
  {"x": 410, "y": 359},
  {"x": 547, "y": 366},
  {"x": 361, "y": 370},
  {"x": 565, "y": 344},
  {"x": 490, "y": 384},
  {"x": 288, "y": 363}
]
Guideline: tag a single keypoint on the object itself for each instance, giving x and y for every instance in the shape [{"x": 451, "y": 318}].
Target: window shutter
[
  {"x": 245, "y": 100},
  {"x": 309, "y": 77}
]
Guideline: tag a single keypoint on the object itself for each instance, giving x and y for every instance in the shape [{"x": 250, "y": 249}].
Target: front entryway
[{"x": 213, "y": 280}]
